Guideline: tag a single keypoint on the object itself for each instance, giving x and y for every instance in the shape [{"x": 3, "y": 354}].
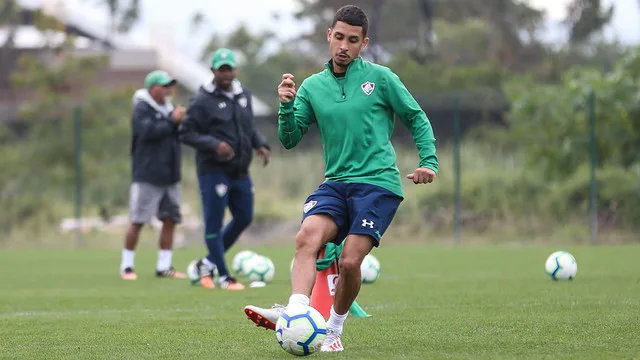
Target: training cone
[{"x": 325, "y": 289}]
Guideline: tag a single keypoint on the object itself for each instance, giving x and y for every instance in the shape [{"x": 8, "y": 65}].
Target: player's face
[
  {"x": 160, "y": 93},
  {"x": 224, "y": 76},
  {"x": 345, "y": 43}
]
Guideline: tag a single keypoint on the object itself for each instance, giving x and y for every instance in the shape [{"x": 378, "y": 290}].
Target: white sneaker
[
  {"x": 265, "y": 318},
  {"x": 332, "y": 342}
]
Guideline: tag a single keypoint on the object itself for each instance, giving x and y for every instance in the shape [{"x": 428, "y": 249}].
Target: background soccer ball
[
  {"x": 259, "y": 268},
  {"x": 370, "y": 269},
  {"x": 301, "y": 330},
  {"x": 239, "y": 260},
  {"x": 561, "y": 266}
]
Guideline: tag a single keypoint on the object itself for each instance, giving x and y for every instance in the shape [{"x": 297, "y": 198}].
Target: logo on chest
[{"x": 368, "y": 87}]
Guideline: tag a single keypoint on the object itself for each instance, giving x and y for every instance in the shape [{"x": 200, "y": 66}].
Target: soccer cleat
[
  {"x": 206, "y": 275},
  {"x": 332, "y": 342},
  {"x": 171, "y": 273},
  {"x": 230, "y": 283},
  {"x": 128, "y": 274},
  {"x": 265, "y": 318}
]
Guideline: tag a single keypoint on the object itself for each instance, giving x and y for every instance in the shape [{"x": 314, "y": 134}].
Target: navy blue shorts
[{"x": 356, "y": 208}]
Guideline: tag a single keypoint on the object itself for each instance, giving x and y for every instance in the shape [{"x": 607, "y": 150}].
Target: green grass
[{"x": 429, "y": 303}]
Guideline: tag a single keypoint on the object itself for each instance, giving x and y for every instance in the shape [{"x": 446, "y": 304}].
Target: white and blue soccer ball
[
  {"x": 370, "y": 269},
  {"x": 259, "y": 268},
  {"x": 301, "y": 330},
  {"x": 561, "y": 265},
  {"x": 239, "y": 260}
]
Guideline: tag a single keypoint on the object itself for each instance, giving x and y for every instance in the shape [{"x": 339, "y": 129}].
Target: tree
[
  {"x": 408, "y": 29},
  {"x": 123, "y": 15},
  {"x": 9, "y": 20},
  {"x": 586, "y": 18}
]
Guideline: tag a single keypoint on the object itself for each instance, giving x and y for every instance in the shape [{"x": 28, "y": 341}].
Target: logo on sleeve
[
  {"x": 368, "y": 87},
  {"x": 309, "y": 205}
]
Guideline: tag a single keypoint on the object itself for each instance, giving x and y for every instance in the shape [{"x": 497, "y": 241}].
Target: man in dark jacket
[
  {"x": 219, "y": 125},
  {"x": 155, "y": 155}
]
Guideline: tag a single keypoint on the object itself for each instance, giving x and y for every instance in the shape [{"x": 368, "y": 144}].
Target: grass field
[{"x": 429, "y": 303}]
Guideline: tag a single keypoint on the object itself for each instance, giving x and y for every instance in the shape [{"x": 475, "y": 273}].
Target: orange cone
[{"x": 325, "y": 288}]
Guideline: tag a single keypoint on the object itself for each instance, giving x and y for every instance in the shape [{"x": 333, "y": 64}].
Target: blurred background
[{"x": 535, "y": 105}]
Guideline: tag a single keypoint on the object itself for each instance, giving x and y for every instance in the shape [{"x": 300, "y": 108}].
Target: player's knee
[
  {"x": 244, "y": 219},
  {"x": 309, "y": 240},
  {"x": 349, "y": 264}
]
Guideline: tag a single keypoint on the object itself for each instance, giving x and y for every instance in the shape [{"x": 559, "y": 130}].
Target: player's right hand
[
  {"x": 225, "y": 151},
  {"x": 178, "y": 114},
  {"x": 287, "y": 88}
]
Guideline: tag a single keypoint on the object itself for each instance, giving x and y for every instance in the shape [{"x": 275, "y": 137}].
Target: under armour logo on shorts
[{"x": 366, "y": 223}]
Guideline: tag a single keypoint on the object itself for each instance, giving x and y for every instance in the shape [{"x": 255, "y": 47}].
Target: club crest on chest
[{"x": 368, "y": 87}]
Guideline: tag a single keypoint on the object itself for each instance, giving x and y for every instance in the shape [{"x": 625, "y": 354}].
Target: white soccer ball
[
  {"x": 301, "y": 330},
  {"x": 239, "y": 260},
  {"x": 259, "y": 268},
  {"x": 370, "y": 269},
  {"x": 561, "y": 266}
]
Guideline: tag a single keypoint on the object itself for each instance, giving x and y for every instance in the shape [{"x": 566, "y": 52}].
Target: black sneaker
[{"x": 170, "y": 273}]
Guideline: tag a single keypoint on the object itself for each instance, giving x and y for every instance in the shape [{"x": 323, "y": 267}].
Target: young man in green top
[{"x": 352, "y": 102}]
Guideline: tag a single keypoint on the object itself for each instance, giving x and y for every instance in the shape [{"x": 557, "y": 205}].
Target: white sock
[
  {"x": 208, "y": 263},
  {"x": 164, "y": 260},
  {"x": 127, "y": 259},
  {"x": 299, "y": 299},
  {"x": 336, "y": 320}
]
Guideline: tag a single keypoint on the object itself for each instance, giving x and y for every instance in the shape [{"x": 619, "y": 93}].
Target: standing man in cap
[
  {"x": 155, "y": 152},
  {"x": 220, "y": 126}
]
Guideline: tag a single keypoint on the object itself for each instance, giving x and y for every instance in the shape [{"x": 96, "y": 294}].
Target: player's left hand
[
  {"x": 264, "y": 153},
  {"x": 422, "y": 176}
]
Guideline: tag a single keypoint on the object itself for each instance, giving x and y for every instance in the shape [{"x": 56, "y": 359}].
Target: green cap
[
  {"x": 223, "y": 57},
  {"x": 158, "y": 77}
]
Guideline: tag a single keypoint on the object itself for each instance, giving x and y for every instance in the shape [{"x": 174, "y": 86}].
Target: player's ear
[
  {"x": 329, "y": 34},
  {"x": 365, "y": 42}
]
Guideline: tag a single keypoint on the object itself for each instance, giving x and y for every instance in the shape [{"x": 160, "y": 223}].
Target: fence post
[
  {"x": 593, "y": 191},
  {"x": 77, "y": 125},
  {"x": 457, "y": 170}
]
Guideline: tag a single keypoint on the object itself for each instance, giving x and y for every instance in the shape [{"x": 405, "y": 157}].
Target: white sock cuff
[
  {"x": 338, "y": 316},
  {"x": 299, "y": 299},
  {"x": 127, "y": 259},
  {"x": 164, "y": 260}
]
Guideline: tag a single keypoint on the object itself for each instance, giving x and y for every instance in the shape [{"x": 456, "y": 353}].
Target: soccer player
[
  {"x": 219, "y": 125},
  {"x": 352, "y": 102},
  {"x": 155, "y": 155}
]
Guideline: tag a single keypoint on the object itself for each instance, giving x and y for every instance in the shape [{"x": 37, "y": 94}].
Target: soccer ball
[
  {"x": 239, "y": 260},
  {"x": 301, "y": 330},
  {"x": 259, "y": 268},
  {"x": 561, "y": 266},
  {"x": 370, "y": 269},
  {"x": 194, "y": 275}
]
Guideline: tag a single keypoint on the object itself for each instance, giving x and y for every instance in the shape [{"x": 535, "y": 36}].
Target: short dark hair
[{"x": 353, "y": 16}]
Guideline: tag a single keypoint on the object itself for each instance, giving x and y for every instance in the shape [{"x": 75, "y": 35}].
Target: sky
[{"x": 172, "y": 18}]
